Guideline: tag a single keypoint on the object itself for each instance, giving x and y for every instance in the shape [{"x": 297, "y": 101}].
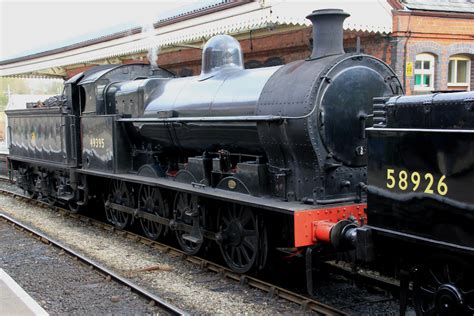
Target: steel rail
[
  {"x": 154, "y": 299},
  {"x": 307, "y": 304}
]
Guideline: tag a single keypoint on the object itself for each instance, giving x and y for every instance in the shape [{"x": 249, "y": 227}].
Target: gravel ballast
[
  {"x": 60, "y": 284},
  {"x": 180, "y": 282}
]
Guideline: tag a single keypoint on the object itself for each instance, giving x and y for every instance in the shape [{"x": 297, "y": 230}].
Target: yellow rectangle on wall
[{"x": 409, "y": 69}]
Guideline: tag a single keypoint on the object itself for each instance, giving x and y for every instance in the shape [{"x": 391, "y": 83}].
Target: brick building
[
  {"x": 434, "y": 44},
  {"x": 433, "y": 39},
  {"x": 429, "y": 43}
]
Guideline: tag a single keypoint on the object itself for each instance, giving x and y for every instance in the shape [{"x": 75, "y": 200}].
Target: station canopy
[{"x": 191, "y": 25}]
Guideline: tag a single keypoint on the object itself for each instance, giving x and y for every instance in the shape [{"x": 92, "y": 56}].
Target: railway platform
[{"x": 14, "y": 300}]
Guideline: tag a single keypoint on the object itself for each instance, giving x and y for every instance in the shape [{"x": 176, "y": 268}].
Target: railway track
[
  {"x": 307, "y": 304},
  {"x": 106, "y": 273}
]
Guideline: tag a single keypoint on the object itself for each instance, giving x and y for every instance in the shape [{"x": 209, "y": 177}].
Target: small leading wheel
[
  {"x": 151, "y": 201},
  {"x": 119, "y": 194},
  {"x": 184, "y": 204},
  {"x": 444, "y": 288},
  {"x": 240, "y": 237}
]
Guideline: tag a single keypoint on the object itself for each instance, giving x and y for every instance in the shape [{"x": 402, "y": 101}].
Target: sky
[
  {"x": 29, "y": 26},
  {"x": 33, "y": 24}
]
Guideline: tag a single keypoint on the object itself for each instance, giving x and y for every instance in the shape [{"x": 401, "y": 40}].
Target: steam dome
[{"x": 219, "y": 52}]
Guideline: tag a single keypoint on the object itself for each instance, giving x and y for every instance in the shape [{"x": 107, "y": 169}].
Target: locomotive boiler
[
  {"x": 253, "y": 160},
  {"x": 303, "y": 122}
]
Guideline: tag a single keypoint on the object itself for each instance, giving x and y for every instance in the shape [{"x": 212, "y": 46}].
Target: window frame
[
  {"x": 422, "y": 58},
  {"x": 455, "y": 58}
]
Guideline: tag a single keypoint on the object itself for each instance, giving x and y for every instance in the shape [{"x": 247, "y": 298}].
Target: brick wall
[
  {"x": 269, "y": 50},
  {"x": 280, "y": 48}
]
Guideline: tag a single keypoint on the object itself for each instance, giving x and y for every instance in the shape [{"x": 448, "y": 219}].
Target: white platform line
[{"x": 19, "y": 294}]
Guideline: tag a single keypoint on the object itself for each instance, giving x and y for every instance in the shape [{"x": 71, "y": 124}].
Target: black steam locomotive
[{"x": 272, "y": 158}]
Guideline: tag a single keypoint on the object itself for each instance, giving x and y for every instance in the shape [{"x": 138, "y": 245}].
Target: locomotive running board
[
  {"x": 206, "y": 191},
  {"x": 250, "y": 118}
]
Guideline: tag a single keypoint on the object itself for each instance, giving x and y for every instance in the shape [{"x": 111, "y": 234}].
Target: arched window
[
  {"x": 459, "y": 70},
  {"x": 424, "y": 72}
]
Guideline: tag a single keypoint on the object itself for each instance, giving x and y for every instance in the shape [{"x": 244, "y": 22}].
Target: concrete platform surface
[{"x": 14, "y": 300}]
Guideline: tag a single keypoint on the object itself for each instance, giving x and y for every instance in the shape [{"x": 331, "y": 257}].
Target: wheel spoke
[
  {"x": 148, "y": 192},
  {"x": 427, "y": 292},
  {"x": 226, "y": 221},
  {"x": 248, "y": 233},
  {"x": 245, "y": 253},
  {"x": 469, "y": 297},
  {"x": 249, "y": 244},
  {"x": 246, "y": 218},
  {"x": 435, "y": 278},
  {"x": 446, "y": 274},
  {"x": 232, "y": 253},
  {"x": 469, "y": 293},
  {"x": 181, "y": 203},
  {"x": 239, "y": 255},
  {"x": 430, "y": 311},
  {"x": 239, "y": 214}
]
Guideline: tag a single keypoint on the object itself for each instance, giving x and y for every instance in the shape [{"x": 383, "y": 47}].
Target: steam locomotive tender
[
  {"x": 420, "y": 198},
  {"x": 251, "y": 159}
]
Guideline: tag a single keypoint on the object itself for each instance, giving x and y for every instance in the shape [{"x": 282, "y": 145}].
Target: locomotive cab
[
  {"x": 95, "y": 86},
  {"x": 110, "y": 93}
]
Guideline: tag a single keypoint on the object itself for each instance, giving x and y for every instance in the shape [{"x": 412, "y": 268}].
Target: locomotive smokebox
[{"x": 327, "y": 32}]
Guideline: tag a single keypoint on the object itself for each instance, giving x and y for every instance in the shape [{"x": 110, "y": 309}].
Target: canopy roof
[{"x": 193, "y": 24}]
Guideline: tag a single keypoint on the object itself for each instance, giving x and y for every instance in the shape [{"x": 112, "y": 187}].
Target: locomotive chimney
[{"x": 327, "y": 32}]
